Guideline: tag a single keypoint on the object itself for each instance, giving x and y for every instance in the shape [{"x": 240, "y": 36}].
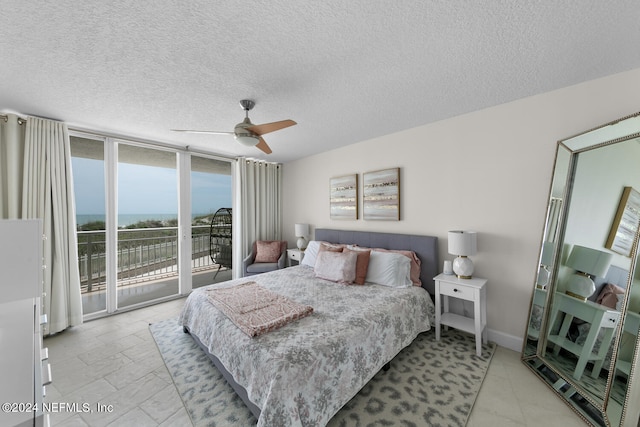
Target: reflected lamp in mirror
[
  {"x": 302, "y": 231},
  {"x": 462, "y": 244},
  {"x": 546, "y": 259},
  {"x": 588, "y": 263}
]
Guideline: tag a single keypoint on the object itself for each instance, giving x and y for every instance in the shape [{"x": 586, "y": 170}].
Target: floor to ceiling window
[
  {"x": 87, "y": 162},
  {"x": 128, "y": 201},
  {"x": 147, "y": 260}
]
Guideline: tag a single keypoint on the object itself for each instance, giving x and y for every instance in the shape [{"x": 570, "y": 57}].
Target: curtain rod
[
  {"x": 21, "y": 120},
  {"x": 77, "y": 131}
]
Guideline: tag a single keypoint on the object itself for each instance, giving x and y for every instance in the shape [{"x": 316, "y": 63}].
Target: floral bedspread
[{"x": 304, "y": 372}]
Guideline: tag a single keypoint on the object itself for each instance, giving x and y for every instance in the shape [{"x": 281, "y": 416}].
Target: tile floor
[{"x": 114, "y": 362}]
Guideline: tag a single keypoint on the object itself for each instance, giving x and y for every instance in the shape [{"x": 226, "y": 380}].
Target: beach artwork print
[
  {"x": 343, "y": 199},
  {"x": 381, "y": 195}
]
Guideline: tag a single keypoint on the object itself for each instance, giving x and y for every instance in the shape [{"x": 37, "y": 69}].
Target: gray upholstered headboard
[{"x": 426, "y": 247}]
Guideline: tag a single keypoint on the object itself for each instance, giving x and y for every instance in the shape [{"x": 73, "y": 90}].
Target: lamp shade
[
  {"x": 590, "y": 261},
  {"x": 302, "y": 230},
  {"x": 462, "y": 242}
]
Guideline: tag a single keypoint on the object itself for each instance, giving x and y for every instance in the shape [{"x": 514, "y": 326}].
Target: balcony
[{"x": 147, "y": 265}]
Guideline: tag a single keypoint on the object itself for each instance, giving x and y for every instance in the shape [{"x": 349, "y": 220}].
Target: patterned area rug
[{"x": 430, "y": 383}]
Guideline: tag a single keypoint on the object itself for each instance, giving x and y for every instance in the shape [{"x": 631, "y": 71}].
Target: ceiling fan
[{"x": 246, "y": 133}]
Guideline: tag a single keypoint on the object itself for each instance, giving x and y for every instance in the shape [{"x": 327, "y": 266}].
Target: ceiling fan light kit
[
  {"x": 246, "y": 133},
  {"x": 247, "y": 140}
]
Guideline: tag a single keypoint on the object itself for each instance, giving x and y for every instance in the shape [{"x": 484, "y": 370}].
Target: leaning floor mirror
[{"x": 584, "y": 320}]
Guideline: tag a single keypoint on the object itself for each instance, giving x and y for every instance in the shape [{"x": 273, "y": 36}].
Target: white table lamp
[
  {"x": 463, "y": 244},
  {"x": 587, "y": 262},
  {"x": 302, "y": 231}
]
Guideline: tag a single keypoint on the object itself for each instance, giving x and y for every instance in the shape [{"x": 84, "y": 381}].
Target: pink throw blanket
[{"x": 256, "y": 310}]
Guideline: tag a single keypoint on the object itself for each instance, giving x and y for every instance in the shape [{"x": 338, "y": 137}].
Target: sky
[{"x": 146, "y": 189}]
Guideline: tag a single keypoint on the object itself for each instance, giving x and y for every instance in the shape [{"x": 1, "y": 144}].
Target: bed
[{"x": 304, "y": 372}]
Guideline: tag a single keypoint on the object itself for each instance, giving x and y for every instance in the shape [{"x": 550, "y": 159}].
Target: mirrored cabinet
[{"x": 584, "y": 320}]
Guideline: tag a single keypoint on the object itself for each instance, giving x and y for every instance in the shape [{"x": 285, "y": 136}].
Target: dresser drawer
[{"x": 456, "y": 290}]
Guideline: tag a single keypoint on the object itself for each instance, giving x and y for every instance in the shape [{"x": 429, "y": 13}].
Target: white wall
[
  {"x": 596, "y": 194},
  {"x": 488, "y": 171}
]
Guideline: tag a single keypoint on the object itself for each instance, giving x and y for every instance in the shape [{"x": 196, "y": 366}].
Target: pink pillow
[
  {"x": 362, "y": 264},
  {"x": 609, "y": 295},
  {"x": 336, "y": 266},
  {"x": 267, "y": 251},
  {"x": 330, "y": 247}
]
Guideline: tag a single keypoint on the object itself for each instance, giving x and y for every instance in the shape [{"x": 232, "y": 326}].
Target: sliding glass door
[{"x": 145, "y": 222}]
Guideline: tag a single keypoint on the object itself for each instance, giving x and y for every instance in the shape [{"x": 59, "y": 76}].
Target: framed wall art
[
  {"x": 381, "y": 195},
  {"x": 625, "y": 223},
  {"x": 343, "y": 198}
]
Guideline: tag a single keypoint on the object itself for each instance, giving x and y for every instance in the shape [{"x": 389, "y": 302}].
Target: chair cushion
[
  {"x": 267, "y": 251},
  {"x": 262, "y": 267}
]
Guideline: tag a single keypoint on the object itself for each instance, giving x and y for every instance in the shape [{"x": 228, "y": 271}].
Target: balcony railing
[{"x": 143, "y": 254}]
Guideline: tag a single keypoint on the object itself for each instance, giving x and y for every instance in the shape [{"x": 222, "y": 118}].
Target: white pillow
[
  {"x": 389, "y": 269},
  {"x": 336, "y": 266},
  {"x": 311, "y": 253}
]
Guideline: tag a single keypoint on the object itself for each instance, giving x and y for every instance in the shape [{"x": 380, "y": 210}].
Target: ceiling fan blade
[
  {"x": 202, "y": 131},
  {"x": 270, "y": 127},
  {"x": 263, "y": 146}
]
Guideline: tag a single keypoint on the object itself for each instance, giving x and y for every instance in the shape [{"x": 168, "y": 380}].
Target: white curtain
[
  {"x": 43, "y": 188},
  {"x": 11, "y": 160},
  {"x": 257, "y": 210}
]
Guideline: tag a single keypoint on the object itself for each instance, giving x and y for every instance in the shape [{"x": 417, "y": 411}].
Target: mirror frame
[{"x": 591, "y": 410}]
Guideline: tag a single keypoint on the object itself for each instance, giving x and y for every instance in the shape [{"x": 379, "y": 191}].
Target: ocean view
[{"x": 128, "y": 219}]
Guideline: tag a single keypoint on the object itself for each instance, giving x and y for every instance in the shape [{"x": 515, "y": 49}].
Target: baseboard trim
[{"x": 511, "y": 342}]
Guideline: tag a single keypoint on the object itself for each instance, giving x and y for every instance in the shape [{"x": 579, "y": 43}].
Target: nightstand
[
  {"x": 599, "y": 316},
  {"x": 465, "y": 289},
  {"x": 294, "y": 255}
]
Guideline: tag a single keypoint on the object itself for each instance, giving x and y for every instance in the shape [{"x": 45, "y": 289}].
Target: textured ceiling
[{"x": 346, "y": 71}]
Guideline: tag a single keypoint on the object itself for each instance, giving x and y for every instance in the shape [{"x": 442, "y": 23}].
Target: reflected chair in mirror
[{"x": 266, "y": 255}]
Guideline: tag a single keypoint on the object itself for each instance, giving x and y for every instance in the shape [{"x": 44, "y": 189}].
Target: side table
[
  {"x": 599, "y": 316},
  {"x": 474, "y": 290},
  {"x": 294, "y": 255}
]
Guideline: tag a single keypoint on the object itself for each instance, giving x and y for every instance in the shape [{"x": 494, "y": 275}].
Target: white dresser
[{"x": 24, "y": 367}]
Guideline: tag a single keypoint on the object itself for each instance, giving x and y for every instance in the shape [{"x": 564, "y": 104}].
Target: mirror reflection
[
  {"x": 548, "y": 250},
  {"x": 628, "y": 341},
  {"x": 585, "y": 311}
]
